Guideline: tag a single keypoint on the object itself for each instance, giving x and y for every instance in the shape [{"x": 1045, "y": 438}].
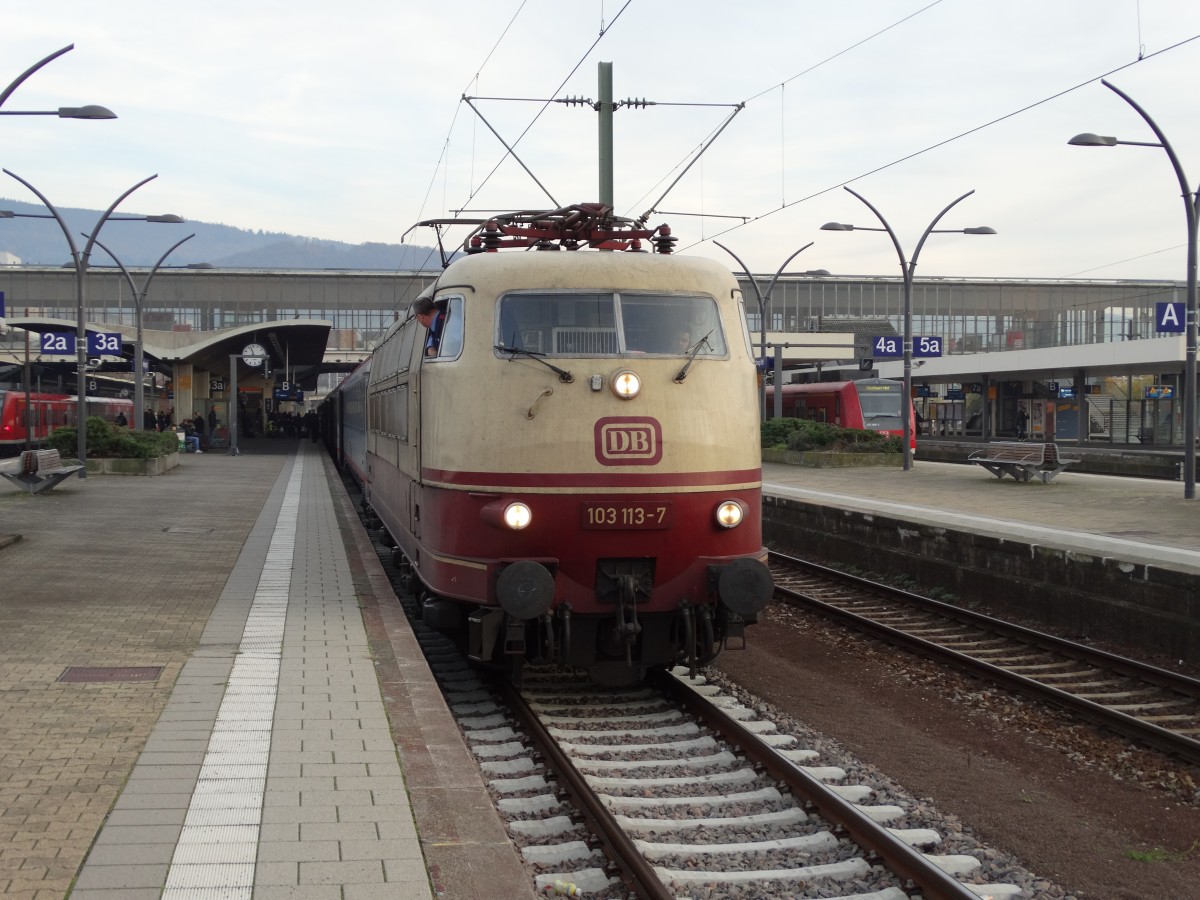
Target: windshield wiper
[
  {"x": 563, "y": 375},
  {"x": 703, "y": 342}
]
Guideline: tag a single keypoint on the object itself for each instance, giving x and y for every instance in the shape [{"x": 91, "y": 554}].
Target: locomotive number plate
[{"x": 627, "y": 515}]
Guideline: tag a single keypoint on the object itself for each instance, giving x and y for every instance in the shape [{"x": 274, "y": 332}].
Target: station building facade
[{"x": 1082, "y": 358}]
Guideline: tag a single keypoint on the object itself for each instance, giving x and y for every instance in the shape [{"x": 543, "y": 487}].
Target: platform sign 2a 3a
[
  {"x": 58, "y": 343},
  {"x": 104, "y": 343}
]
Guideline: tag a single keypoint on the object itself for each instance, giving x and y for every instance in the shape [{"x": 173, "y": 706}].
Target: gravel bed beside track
[{"x": 1103, "y": 818}]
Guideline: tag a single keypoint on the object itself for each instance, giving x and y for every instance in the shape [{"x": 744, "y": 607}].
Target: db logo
[{"x": 634, "y": 441}]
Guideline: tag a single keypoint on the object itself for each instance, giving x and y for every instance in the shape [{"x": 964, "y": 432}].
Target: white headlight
[
  {"x": 626, "y": 384},
  {"x": 730, "y": 514},
  {"x": 517, "y": 516}
]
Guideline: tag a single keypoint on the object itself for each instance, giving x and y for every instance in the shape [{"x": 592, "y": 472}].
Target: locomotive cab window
[
  {"x": 610, "y": 324},
  {"x": 451, "y": 341}
]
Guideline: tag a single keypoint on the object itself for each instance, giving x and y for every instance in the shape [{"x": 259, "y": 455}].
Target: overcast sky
[{"x": 345, "y": 121}]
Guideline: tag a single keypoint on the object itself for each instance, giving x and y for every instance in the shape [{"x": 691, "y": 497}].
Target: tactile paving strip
[{"x": 217, "y": 848}]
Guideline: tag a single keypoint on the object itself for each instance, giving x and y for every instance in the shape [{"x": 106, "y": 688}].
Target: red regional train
[
  {"x": 871, "y": 404},
  {"x": 573, "y": 473},
  {"x": 49, "y": 411}
]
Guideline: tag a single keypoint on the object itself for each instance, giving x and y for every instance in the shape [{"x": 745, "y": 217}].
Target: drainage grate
[{"x": 79, "y": 674}]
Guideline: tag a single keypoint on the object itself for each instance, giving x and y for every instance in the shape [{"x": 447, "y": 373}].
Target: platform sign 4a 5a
[
  {"x": 891, "y": 346},
  {"x": 888, "y": 346},
  {"x": 927, "y": 346}
]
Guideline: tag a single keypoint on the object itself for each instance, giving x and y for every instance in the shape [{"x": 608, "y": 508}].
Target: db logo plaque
[{"x": 632, "y": 441}]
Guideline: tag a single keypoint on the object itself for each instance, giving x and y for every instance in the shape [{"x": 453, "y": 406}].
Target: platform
[
  {"x": 1145, "y": 520},
  {"x": 208, "y": 689}
]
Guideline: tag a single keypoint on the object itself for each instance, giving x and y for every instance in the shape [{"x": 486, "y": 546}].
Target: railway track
[
  {"x": 1149, "y": 704},
  {"x": 677, "y": 789}
]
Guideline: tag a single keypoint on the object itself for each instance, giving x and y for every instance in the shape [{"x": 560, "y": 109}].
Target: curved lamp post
[
  {"x": 908, "y": 267},
  {"x": 139, "y": 387},
  {"x": 63, "y": 112},
  {"x": 1191, "y": 204},
  {"x": 80, "y": 260},
  {"x": 763, "y": 300}
]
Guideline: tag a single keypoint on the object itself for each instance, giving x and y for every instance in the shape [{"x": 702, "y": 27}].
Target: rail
[{"x": 1167, "y": 722}]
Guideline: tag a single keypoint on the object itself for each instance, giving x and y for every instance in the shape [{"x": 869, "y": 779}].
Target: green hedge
[
  {"x": 114, "y": 442},
  {"x": 802, "y": 434}
]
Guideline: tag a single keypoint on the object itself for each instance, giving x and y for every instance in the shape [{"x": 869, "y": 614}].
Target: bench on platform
[
  {"x": 41, "y": 470},
  {"x": 1023, "y": 461}
]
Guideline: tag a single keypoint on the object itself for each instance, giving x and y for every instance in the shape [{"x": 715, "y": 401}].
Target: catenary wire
[
  {"x": 942, "y": 143},
  {"x": 546, "y": 104}
]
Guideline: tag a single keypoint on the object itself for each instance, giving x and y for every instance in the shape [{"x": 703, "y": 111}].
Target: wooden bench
[
  {"x": 1023, "y": 461},
  {"x": 41, "y": 470}
]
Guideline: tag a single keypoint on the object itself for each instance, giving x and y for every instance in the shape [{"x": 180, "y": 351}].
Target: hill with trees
[{"x": 40, "y": 242}]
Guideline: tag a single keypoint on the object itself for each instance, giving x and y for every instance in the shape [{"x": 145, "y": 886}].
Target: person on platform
[
  {"x": 187, "y": 440},
  {"x": 198, "y": 428}
]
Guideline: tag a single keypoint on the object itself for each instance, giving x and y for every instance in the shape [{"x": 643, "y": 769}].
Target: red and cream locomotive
[{"x": 572, "y": 471}]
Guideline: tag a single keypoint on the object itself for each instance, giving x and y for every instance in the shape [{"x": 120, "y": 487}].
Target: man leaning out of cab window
[{"x": 433, "y": 318}]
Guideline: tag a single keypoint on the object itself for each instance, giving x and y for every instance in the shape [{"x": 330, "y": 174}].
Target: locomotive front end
[
  {"x": 564, "y": 449},
  {"x": 618, "y": 494}
]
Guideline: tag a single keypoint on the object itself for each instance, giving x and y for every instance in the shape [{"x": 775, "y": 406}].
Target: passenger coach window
[{"x": 591, "y": 324}]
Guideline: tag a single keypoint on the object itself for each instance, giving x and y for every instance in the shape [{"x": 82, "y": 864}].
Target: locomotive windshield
[{"x": 565, "y": 323}]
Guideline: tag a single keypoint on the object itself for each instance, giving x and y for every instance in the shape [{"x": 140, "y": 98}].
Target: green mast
[{"x": 605, "y": 108}]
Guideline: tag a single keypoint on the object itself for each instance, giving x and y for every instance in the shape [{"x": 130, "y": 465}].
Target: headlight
[
  {"x": 517, "y": 516},
  {"x": 626, "y": 384},
  {"x": 730, "y": 514}
]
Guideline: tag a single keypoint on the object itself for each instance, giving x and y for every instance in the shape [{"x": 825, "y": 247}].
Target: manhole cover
[
  {"x": 110, "y": 673},
  {"x": 181, "y": 529}
]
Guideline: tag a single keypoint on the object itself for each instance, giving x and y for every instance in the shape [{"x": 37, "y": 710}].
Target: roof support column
[{"x": 181, "y": 381}]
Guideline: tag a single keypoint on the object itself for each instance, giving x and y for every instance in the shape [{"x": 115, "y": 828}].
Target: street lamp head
[
  {"x": 168, "y": 218},
  {"x": 1087, "y": 139},
  {"x": 817, "y": 273},
  {"x": 86, "y": 112},
  {"x": 199, "y": 265},
  {"x": 837, "y": 226},
  {"x": 7, "y": 214},
  {"x": 982, "y": 229}
]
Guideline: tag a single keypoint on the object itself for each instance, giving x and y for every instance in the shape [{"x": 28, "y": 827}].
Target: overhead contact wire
[{"x": 954, "y": 138}]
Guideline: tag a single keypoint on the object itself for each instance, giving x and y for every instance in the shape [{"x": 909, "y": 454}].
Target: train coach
[
  {"x": 572, "y": 471},
  {"x": 870, "y": 404},
  {"x": 47, "y": 412}
]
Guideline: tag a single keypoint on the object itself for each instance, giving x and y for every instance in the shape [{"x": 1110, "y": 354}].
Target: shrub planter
[
  {"x": 815, "y": 459},
  {"x": 154, "y": 466}
]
